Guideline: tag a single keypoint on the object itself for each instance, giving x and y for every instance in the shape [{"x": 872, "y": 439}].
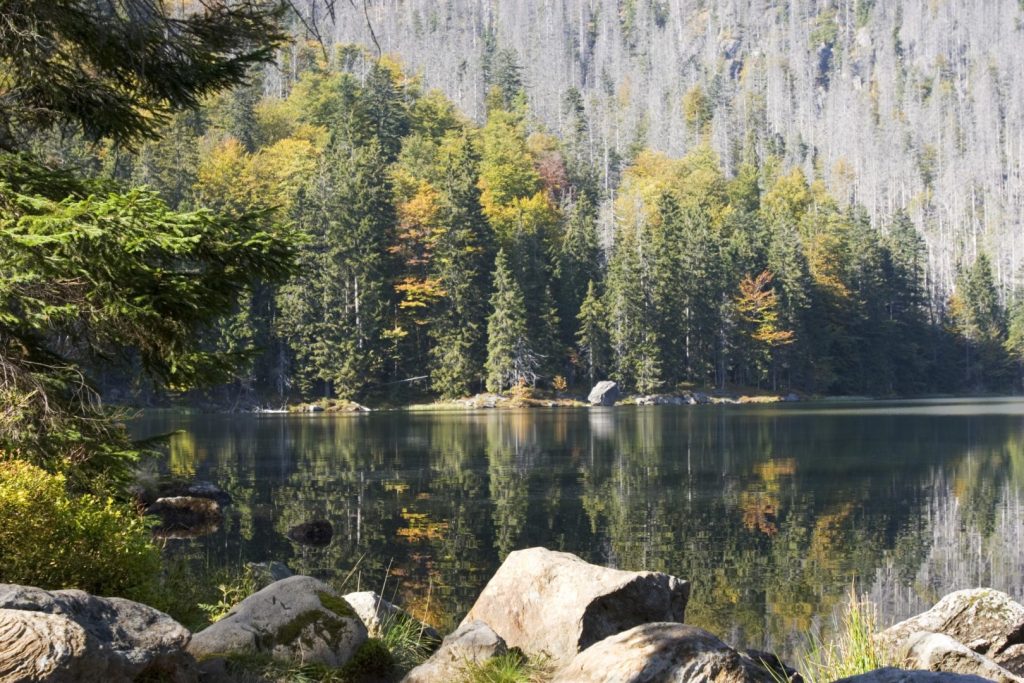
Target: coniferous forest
[{"x": 442, "y": 256}]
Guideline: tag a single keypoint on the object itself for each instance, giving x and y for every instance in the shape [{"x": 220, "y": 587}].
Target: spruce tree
[
  {"x": 592, "y": 335},
  {"x": 510, "y": 357}
]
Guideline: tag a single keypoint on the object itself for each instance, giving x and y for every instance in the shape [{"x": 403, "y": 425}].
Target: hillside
[{"x": 911, "y": 104}]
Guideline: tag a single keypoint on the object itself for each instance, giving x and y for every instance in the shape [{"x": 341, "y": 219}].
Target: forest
[{"x": 440, "y": 257}]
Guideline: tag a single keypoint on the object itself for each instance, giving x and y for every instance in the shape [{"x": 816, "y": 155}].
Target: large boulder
[
  {"x": 939, "y": 652},
  {"x": 893, "y": 675},
  {"x": 663, "y": 653},
  {"x": 604, "y": 394},
  {"x": 474, "y": 642},
  {"x": 555, "y": 604},
  {"x": 987, "y": 621},
  {"x": 376, "y": 613},
  {"x": 298, "y": 619},
  {"x": 74, "y": 636}
]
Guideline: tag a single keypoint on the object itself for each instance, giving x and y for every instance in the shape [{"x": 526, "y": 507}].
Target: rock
[
  {"x": 604, "y": 394},
  {"x": 317, "y": 532},
  {"x": 939, "y": 652},
  {"x": 185, "y": 516},
  {"x": 893, "y": 675},
  {"x": 35, "y": 646},
  {"x": 299, "y": 619},
  {"x": 266, "y": 573},
  {"x": 72, "y": 635},
  {"x": 375, "y": 612},
  {"x": 314, "y": 408},
  {"x": 555, "y": 604},
  {"x": 663, "y": 653},
  {"x": 149, "y": 492},
  {"x": 987, "y": 621},
  {"x": 791, "y": 397},
  {"x": 701, "y": 398},
  {"x": 474, "y": 642},
  {"x": 779, "y": 670}
]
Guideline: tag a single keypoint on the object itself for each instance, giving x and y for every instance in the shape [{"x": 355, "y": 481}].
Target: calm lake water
[{"x": 772, "y": 512}]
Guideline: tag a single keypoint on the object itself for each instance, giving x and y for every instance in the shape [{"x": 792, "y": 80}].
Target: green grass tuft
[
  {"x": 852, "y": 650},
  {"x": 511, "y": 667}
]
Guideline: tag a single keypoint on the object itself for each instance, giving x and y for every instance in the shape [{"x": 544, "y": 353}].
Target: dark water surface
[{"x": 773, "y": 512}]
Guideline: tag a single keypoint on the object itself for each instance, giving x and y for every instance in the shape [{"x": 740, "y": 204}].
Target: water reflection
[{"x": 772, "y": 512}]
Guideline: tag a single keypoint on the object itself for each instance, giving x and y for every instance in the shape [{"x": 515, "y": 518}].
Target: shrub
[{"x": 52, "y": 539}]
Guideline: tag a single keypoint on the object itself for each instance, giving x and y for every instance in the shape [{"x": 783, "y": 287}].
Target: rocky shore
[{"x": 580, "y": 623}]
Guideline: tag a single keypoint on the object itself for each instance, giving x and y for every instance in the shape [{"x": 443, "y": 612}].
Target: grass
[
  {"x": 852, "y": 650},
  {"x": 404, "y": 637},
  {"x": 511, "y": 667}
]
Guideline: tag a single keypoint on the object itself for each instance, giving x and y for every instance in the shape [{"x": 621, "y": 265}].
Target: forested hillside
[
  {"x": 666, "y": 195},
  {"x": 901, "y": 104}
]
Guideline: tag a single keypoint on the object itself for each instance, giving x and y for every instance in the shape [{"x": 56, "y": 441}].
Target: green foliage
[
  {"x": 120, "y": 69},
  {"x": 53, "y": 539},
  {"x": 510, "y": 355},
  {"x": 404, "y": 638},
  {"x": 232, "y": 591}
]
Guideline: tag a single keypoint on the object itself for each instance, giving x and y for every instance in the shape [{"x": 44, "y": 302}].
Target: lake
[{"x": 772, "y": 512}]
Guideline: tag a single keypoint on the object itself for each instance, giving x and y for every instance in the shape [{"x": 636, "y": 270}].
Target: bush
[{"x": 52, "y": 539}]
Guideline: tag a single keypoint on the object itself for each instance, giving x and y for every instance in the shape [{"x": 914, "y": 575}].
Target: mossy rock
[{"x": 296, "y": 619}]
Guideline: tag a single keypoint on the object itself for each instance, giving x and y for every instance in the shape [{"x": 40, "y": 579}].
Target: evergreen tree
[
  {"x": 592, "y": 335},
  {"x": 510, "y": 356}
]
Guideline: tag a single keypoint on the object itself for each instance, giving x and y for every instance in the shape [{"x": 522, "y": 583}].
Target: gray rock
[
  {"x": 554, "y": 604},
  {"x": 604, "y": 393},
  {"x": 987, "y": 621},
  {"x": 939, "y": 652},
  {"x": 474, "y": 642},
  {"x": 77, "y": 636},
  {"x": 299, "y": 619},
  {"x": 663, "y": 653},
  {"x": 266, "y": 573},
  {"x": 375, "y": 612},
  {"x": 893, "y": 675}
]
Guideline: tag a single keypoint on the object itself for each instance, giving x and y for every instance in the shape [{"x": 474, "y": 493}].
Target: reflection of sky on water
[{"x": 772, "y": 511}]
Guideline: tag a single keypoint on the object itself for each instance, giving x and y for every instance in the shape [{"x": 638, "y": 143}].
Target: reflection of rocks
[
  {"x": 663, "y": 653},
  {"x": 604, "y": 394},
  {"x": 474, "y": 642},
  {"x": 375, "y": 612},
  {"x": 298, "y": 618},
  {"x": 317, "y": 532},
  {"x": 185, "y": 516},
  {"x": 147, "y": 493},
  {"x": 986, "y": 621},
  {"x": 69, "y": 635},
  {"x": 555, "y": 604}
]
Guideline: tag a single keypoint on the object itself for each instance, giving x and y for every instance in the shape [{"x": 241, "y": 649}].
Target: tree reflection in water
[{"x": 772, "y": 512}]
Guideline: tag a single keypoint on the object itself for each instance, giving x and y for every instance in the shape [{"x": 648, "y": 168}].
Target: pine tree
[{"x": 510, "y": 357}]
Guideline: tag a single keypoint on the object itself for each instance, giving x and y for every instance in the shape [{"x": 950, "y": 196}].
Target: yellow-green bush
[{"x": 51, "y": 539}]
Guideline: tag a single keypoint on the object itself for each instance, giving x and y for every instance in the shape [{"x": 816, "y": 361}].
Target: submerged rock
[
  {"x": 986, "y": 621},
  {"x": 317, "y": 532},
  {"x": 604, "y": 394},
  {"x": 299, "y": 619},
  {"x": 376, "y": 613},
  {"x": 185, "y": 516},
  {"x": 474, "y": 642},
  {"x": 70, "y": 635},
  {"x": 554, "y": 604},
  {"x": 663, "y": 653}
]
